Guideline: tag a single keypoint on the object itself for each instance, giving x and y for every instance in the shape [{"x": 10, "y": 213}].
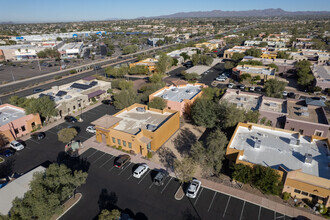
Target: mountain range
[{"x": 270, "y": 12}]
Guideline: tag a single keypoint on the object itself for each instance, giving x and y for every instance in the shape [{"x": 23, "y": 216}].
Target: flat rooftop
[
  {"x": 278, "y": 148},
  {"x": 299, "y": 111},
  {"x": 178, "y": 94},
  {"x": 134, "y": 121},
  {"x": 274, "y": 105},
  {"x": 322, "y": 73},
  {"x": 69, "y": 46},
  {"x": 257, "y": 70},
  {"x": 8, "y": 114},
  {"x": 243, "y": 100},
  {"x": 199, "y": 69}
]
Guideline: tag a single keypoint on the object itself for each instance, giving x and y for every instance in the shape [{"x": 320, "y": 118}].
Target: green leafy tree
[
  {"x": 274, "y": 88},
  {"x": 229, "y": 115},
  {"x": 263, "y": 44},
  {"x": 126, "y": 98},
  {"x": 305, "y": 76},
  {"x": 203, "y": 113},
  {"x": 156, "y": 78},
  {"x": 124, "y": 84},
  {"x": 191, "y": 76},
  {"x": 130, "y": 49},
  {"x": 44, "y": 106},
  {"x": 164, "y": 63},
  {"x": 195, "y": 59},
  {"x": 109, "y": 215},
  {"x": 229, "y": 65},
  {"x": 267, "y": 180},
  {"x": 158, "y": 103},
  {"x": 67, "y": 134},
  {"x": 138, "y": 69},
  {"x": 245, "y": 78},
  {"x": 252, "y": 116},
  {"x": 251, "y": 62},
  {"x": 150, "y": 88},
  {"x": 184, "y": 169},
  {"x": 273, "y": 65},
  {"x": 237, "y": 56},
  {"x": 282, "y": 55},
  {"x": 242, "y": 173},
  {"x": 253, "y": 52},
  {"x": 47, "y": 193},
  {"x": 185, "y": 56},
  {"x": 212, "y": 93}
]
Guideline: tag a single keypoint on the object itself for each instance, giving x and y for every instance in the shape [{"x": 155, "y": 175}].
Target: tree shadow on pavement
[
  {"x": 184, "y": 140},
  {"x": 6, "y": 168},
  {"x": 188, "y": 215},
  {"x": 166, "y": 157},
  {"x": 74, "y": 163}
]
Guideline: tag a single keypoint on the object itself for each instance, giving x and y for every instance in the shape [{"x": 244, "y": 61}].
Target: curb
[
  {"x": 179, "y": 191},
  {"x": 70, "y": 206}
]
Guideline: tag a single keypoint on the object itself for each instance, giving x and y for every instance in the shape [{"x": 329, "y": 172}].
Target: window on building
[
  {"x": 292, "y": 129},
  {"x": 297, "y": 191},
  {"x": 124, "y": 143},
  {"x": 68, "y": 109},
  {"x": 16, "y": 130},
  {"x": 304, "y": 193},
  {"x": 74, "y": 107},
  {"x": 149, "y": 146},
  {"x": 318, "y": 133},
  {"x": 129, "y": 144},
  {"x": 119, "y": 142},
  {"x": 114, "y": 140},
  {"x": 33, "y": 124},
  {"x": 23, "y": 128},
  {"x": 79, "y": 105},
  {"x": 301, "y": 131}
]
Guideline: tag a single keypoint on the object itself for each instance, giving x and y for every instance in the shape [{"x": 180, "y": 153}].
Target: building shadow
[
  {"x": 7, "y": 167},
  {"x": 74, "y": 163},
  {"x": 184, "y": 141}
]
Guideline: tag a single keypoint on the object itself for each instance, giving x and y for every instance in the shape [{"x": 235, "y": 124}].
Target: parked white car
[
  {"x": 220, "y": 78},
  {"x": 285, "y": 93},
  {"x": 91, "y": 130},
  {"x": 16, "y": 145},
  {"x": 252, "y": 88},
  {"x": 230, "y": 85},
  {"x": 138, "y": 172},
  {"x": 193, "y": 188}
]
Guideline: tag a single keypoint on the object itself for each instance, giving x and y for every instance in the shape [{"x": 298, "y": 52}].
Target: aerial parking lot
[{"x": 110, "y": 187}]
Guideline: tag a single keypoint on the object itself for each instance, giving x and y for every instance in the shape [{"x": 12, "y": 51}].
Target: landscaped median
[
  {"x": 68, "y": 205},
  {"x": 179, "y": 193}
]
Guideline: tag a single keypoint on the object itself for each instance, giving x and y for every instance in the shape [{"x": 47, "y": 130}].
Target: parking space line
[
  {"x": 151, "y": 184},
  {"x": 92, "y": 154},
  {"x": 166, "y": 185},
  {"x": 212, "y": 201},
  {"x": 98, "y": 158},
  {"x": 34, "y": 141},
  {"x": 124, "y": 169},
  {"x": 130, "y": 177},
  {"x": 280, "y": 217},
  {"x": 106, "y": 162},
  {"x": 28, "y": 147},
  {"x": 242, "y": 210},
  {"x": 259, "y": 212},
  {"x": 198, "y": 196},
  {"x": 226, "y": 207},
  {"x": 51, "y": 132},
  {"x": 111, "y": 168},
  {"x": 144, "y": 176}
]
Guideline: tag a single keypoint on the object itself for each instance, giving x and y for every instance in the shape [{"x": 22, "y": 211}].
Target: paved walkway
[{"x": 264, "y": 202}]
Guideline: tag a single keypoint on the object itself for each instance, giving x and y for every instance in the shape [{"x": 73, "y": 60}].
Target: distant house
[
  {"x": 322, "y": 76},
  {"x": 179, "y": 97},
  {"x": 265, "y": 72}
]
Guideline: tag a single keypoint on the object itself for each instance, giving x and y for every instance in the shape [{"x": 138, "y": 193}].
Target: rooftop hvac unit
[
  {"x": 68, "y": 97},
  {"x": 294, "y": 141},
  {"x": 308, "y": 158},
  {"x": 175, "y": 90},
  {"x": 272, "y": 104},
  {"x": 239, "y": 104},
  {"x": 189, "y": 91},
  {"x": 151, "y": 127},
  {"x": 306, "y": 114},
  {"x": 303, "y": 108},
  {"x": 165, "y": 96},
  {"x": 257, "y": 144},
  {"x": 242, "y": 98},
  {"x": 140, "y": 109}
]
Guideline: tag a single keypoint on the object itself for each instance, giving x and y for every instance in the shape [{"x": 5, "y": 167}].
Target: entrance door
[{"x": 140, "y": 149}]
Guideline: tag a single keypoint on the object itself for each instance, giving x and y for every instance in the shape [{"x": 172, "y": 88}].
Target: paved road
[{"x": 109, "y": 187}]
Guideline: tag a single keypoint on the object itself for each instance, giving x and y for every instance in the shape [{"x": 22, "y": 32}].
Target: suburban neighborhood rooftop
[
  {"x": 275, "y": 148},
  {"x": 178, "y": 94},
  {"x": 256, "y": 69},
  {"x": 9, "y": 113}
]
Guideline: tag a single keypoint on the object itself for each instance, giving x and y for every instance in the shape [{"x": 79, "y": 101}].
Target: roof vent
[
  {"x": 68, "y": 97},
  {"x": 306, "y": 114},
  {"x": 151, "y": 127},
  {"x": 140, "y": 109},
  {"x": 165, "y": 96},
  {"x": 303, "y": 108},
  {"x": 272, "y": 104},
  {"x": 308, "y": 158},
  {"x": 189, "y": 91},
  {"x": 257, "y": 144}
]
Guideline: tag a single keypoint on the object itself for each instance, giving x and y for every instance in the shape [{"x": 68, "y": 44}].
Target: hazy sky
[{"x": 78, "y": 10}]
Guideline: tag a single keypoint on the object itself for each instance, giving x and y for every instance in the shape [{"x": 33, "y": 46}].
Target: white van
[{"x": 138, "y": 172}]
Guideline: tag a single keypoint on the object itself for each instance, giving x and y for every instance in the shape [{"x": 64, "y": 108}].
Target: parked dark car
[
  {"x": 107, "y": 102},
  {"x": 38, "y": 90},
  {"x": 291, "y": 95},
  {"x": 7, "y": 152},
  {"x": 258, "y": 89},
  {"x": 121, "y": 160},
  {"x": 160, "y": 177},
  {"x": 70, "y": 118},
  {"x": 38, "y": 135}
]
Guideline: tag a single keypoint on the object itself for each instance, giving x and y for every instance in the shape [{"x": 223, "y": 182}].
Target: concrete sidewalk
[{"x": 234, "y": 192}]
